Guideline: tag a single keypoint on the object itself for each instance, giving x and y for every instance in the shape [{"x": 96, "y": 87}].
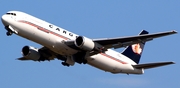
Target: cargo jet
[{"x": 70, "y": 48}]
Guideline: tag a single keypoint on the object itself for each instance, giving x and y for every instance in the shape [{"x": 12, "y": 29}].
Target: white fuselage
[{"x": 53, "y": 37}]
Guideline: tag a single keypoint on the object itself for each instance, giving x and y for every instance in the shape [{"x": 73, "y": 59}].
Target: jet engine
[
  {"x": 87, "y": 44},
  {"x": 31, "y": 53}
]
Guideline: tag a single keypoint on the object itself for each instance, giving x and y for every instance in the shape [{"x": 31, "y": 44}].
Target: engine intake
[
  {"x": 84, "y": 43},
  {"x": 31, "y": 53},
  {"x": 88, "y": 44}
]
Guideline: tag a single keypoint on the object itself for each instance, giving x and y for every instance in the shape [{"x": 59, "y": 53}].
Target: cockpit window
[
  {"x": 11, "y": 14},
  {"x": 8, "y": 13}
]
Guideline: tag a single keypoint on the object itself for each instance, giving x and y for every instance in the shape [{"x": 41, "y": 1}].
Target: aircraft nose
[{"x": 4, "y": 20}]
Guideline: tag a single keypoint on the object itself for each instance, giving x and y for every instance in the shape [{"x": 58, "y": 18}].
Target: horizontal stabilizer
[{"x": 152, "y": 65}]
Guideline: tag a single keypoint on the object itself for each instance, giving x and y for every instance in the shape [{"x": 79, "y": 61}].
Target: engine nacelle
[
  {"x": 84, "y": 43},
  {"x": 31, "y": 53},
  {"x": 88, "y": 44}
]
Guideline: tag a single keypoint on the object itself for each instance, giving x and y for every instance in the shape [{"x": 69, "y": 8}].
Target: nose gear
[{"x": 10, "y": 30}]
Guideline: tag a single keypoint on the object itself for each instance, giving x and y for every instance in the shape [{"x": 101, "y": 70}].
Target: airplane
[{"x": 70, "y": 48}]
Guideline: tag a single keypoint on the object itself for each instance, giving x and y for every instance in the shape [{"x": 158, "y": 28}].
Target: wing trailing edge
[{"x": 152, "y": 65}]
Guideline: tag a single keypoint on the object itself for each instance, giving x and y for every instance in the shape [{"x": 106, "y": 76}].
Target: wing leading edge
[{"x": 129, "y": 40}]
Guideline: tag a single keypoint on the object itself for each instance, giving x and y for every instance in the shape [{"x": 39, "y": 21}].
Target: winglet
[{"x": 174, "y": 31}]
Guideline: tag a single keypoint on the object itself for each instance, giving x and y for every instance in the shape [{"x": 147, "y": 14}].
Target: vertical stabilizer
[{"x": 134, "y": 51}]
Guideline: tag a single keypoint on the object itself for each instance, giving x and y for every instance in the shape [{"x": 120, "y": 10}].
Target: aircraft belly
[
  {"x": 103, "y": 63},
  {"x": 109, "y": 65}
]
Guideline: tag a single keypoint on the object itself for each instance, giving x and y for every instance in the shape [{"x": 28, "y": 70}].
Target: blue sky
[{"x": 94, "y": 19}]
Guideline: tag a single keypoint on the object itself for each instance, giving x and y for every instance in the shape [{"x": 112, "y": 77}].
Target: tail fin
[{"x": 134, "y": 51}]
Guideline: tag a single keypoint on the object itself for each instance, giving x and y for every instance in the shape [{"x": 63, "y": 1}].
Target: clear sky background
[{"x": 94, "y": 19}]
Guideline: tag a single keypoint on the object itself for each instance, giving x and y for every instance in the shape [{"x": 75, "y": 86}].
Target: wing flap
[{"x": 152, "y": 65}]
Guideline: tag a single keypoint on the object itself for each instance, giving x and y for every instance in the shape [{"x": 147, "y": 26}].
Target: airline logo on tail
[{"x": 137, "y": 48}]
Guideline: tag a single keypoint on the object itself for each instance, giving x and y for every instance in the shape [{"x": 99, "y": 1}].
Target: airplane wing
[
  {"x": 152, "y": 65},
  {"x": 129, "y": 40}
]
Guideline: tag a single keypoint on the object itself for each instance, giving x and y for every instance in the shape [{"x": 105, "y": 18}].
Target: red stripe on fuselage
[
  {"x": 113, "y": 58},
  {"x": 44, "y": 29}
]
